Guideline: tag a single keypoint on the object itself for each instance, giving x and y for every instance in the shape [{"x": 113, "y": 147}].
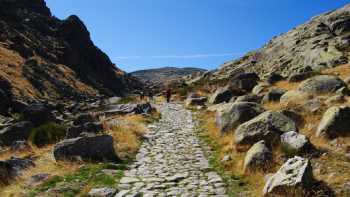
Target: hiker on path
[
  {"x": 142, "y": 95},
  {"x": 168, "y": 95}
]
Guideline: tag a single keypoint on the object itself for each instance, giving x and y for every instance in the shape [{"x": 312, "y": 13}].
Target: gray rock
[
  {"x": 273, "y": 95},
  {"x": 15, "y": 132},
  {"x": 291, "y": 179},
  {"x": 38, "y": 113},
  {"x": 260, "y": 88},
  {"x": 37, "y": 179},
  {"x": 196, "y": 101},
  {"x": 89, "y": 127},
  {"x": 273, "y": 78},
  {"x": 335, "y": 99},
  {"x": 312, "y": 105},
  {"x": 294, "y": 97},
  {"x": 297, "y": 77},
  {"x": 19, "y": 145},
  {"x": 84, "y": 118},
  {"x": 321, "y": 84},
  {"x": 335, "y": 122},
  {"x": 102, "y": 192},
  {"x": 237, "y": 114},
  {"x": 99, "y": 148},
  {"x": 223, "y": 94},
  {"x": 258, "y": 157},
  {"x": 294, "y": 143},
  {"x": 245, "y": 81},
  {"x": 249, "y": 98},
  {"x": 267, "y": 126}
]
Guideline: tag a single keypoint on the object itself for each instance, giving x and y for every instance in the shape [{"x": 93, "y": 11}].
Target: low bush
[{"x": 47, "y": 133}]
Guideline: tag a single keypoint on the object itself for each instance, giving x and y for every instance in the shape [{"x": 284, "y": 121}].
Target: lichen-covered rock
[
  {"x": 99, "y": 148},
  {"x": 249, "y": 98},
  {"x": 258, "y": 157},
  {"x": 267, "y": 126},
  {"x": 260, "y": 88},
  {"x": 102, "y": 192},
  {"x": 291, "y": 179},
  {"x": 236, "y": 114},
  {"x": 294, "y": 97},
  {"x": 335, "y": 122},
  {"x": 321, "y": 84},
  {"x": 294, "y": 143}
]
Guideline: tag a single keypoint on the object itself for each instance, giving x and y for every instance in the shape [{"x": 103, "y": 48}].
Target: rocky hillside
[
  {"x": 161, "y": 75},
  {"x": 42, "y": 57},
  {"x": 322, "y": 42}
]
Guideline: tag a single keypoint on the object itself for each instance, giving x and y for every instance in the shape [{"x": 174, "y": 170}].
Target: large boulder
[
  {"x": 85, "y": 118},
  {"x": 294, "y": 97},
  {"x": 223, "y": 94},
  {"x": 245, "y": 81},
  {"x": 258, "y": 157},
  {"x": 13, "y": 167},
  {"x": 294, "y": 143},
  {"x": 260, "y": 88},
  {"x": 16, "y": 132},
  {"x": 273, "y": 95},
  {"x": 297, "y": 77},
  {"x": 335, "y": 122},
  {"x": 99, "y": 148},
  {"x": 236, "y": 114},
  {"x": 144, "y": 108},
  {"x": 291, "y": 179},
  {"x": 267, "y": 126},
  {"x": 38, "y": 113},
  {"x": 273, "y": 78},
  {"x": 321, "y": 84},
  {"x": 200, "y": 101}
]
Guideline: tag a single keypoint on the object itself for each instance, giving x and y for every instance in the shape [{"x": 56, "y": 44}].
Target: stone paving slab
[{"x": 171, "y": 161}]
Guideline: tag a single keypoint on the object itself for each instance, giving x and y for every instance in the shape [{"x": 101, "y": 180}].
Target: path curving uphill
[{"x": 171, "y": 161}]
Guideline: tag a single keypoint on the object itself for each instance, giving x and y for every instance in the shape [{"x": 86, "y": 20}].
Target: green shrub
[{"x": 47, "y": 133}]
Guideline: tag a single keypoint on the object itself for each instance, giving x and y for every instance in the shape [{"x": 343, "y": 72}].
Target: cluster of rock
[{"x": 239, "y": 108}]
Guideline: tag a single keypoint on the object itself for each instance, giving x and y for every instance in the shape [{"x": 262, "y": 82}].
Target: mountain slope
[
  {"x": 42, "y": 57},
  {"x": 322, "y": 42},
  {"x": 161, "y": 75}
]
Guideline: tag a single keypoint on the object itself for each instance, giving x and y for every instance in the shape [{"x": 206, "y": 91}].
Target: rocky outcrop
[
  {"x": 321, "y": 84},
  {"x": 99, "y": 148},
  {"x": 320, "y": 43},
  {"x": 294, "y": 143},
  {"x": 335, "y": 122},
  {"x": 43, "y": 57},
  {"x": 267, "y": 126},
  {"x": 224, "y": 94},
  {"x": 291, "y": 179},
  {"x": 236, "y": 114},
  {"x": 38, "y": 113}
]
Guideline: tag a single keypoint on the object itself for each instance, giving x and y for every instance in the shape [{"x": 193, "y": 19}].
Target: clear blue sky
[{"x": 140, "y": 34}]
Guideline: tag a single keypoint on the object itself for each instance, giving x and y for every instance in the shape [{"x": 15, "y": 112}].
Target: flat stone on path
[{"x": 171, "y": 161}]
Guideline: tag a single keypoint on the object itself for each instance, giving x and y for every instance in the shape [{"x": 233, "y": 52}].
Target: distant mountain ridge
[{"x": 162, "y": 75}]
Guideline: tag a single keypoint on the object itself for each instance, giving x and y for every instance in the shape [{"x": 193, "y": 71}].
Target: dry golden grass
[
  {"x": 342, "y": 71},
  {"x": 44, "y": 163},
  {"x": 128, "y": 135},
  {"x": 286, "y": 85}
]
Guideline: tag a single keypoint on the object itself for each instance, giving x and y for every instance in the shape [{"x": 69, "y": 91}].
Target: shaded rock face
[
  {"x": 321, "y": 84},
  {"x": 273, "y": 95},
  {"x": 196, "y": 101},
  {"x": 13, "y": 167},
  {"x": 89, "y": 127},
  {"x": 15, "y": 132},
  {"x": 335, "y": 122},
  {"x": 291, "y": 179},
  {"x": 57, "y": 58},
  {"x": 99, "y": 148},
  {"x": 267, "y": 126},
  {"x": 321, "y": 42},
  {"x": 249, "y": 98},
  {"x": 38, "y": 113},
  {"x": 245, "y": 81},
  {"x": 237, "y": 114},
  {"x": 224, "y": 94},
  {"x": 258, "y": 157}
]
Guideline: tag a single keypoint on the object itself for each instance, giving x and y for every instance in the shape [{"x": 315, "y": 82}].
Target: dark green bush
[{"x": 47, "y": 133}]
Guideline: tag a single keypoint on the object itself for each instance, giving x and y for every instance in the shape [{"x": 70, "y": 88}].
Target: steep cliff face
[
  {"x": 322, "y": 42},
  {"x": 42, "y": 57}
]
